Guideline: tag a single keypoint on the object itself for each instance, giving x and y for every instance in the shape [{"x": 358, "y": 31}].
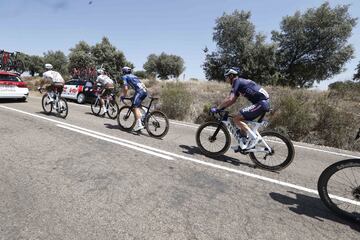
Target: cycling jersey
[
  {"x": 249, "y": 89},
  {"x": 134, "y": 82},
  {"x": 53, "y": 77},
  {"x": 104, "y": 80}
]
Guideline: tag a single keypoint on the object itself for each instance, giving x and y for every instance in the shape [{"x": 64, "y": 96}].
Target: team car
[
  {"x": 79, "y": 90},
  {"x": 12, "y": 87}
]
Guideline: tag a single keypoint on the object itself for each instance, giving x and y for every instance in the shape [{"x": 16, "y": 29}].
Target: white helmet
[
  {"x": 126, "y": 70},
  {"x": 100, "y": 71},
  {"x": 48, "y": 66},
  {"x": 232, "y": 70}
]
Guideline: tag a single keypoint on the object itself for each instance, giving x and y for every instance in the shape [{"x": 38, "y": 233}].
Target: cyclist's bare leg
[
  {"x": 137, "y": 113},
  {"x": 239, "y": 122}
]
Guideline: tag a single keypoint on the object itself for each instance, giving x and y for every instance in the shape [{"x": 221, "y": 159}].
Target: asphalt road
[{"x": 83, "y": 178}]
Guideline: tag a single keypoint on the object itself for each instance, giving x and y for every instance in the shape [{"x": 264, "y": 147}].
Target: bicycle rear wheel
[
  {"x": 46, "y": 104},
  {"x": 339, "y": 188},
  {"x": 157, "y": 124},
  {"x": 113, "y": 109},
  {"x": 126, "y": 118},
  {"x": 213, "y": 139},
  {"x": 96, "y": 107},
  {"x": 62, "y": 108},
  {"x": 281, "y": 155}
]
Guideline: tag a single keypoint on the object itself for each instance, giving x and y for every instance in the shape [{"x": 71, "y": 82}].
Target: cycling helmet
[
  {"x": 48, "y": 66},
  {"x": 233, "y": 70},
  {"x": 126, "y": 70},
  {"x": 100, "y": 71}
]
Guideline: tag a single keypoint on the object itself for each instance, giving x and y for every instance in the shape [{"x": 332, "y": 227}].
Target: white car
[
  {"x": 12, "y": 87},
  {"x": 81, "y": 91}
]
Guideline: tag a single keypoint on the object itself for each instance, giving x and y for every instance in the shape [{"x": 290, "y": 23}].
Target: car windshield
[{"x": 9, "y": 78}]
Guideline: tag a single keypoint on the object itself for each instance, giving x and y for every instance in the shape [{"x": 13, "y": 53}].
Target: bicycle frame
[
  {"x": 142, "y": 106},
  {"x": 250, "y": 145}
]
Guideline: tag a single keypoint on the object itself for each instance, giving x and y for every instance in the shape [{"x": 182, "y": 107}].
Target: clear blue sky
[{"x": 141, "y": 27}]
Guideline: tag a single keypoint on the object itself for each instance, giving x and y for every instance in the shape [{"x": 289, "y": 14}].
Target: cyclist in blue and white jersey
[
  {"x": 140, "y": 94},
  {"x": 251, "y": 91}
]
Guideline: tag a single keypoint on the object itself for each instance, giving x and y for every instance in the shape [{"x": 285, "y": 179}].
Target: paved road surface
[{"x": 83, "y": 178}]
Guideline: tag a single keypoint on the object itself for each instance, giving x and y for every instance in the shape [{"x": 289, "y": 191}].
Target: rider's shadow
[
  {"x": 53, "y": 113},
  {"x": 310, "y": 206},
  {"x": 141, "y": 133},
  {"x": 193, "y": 150}
]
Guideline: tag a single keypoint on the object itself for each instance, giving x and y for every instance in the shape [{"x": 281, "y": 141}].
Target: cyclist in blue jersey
[
  {"x": 140, "y": 94},
  {"x": 251, "y": 91}
]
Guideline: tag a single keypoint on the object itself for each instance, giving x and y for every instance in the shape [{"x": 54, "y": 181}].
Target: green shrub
[
  {"x": 293, "y": 115},
  {"x": 140, "y": 74},
  {"x": 204, "y": 115},
  {"x": 175, "y": 100},
  {"x": 347, "y": 90},
  {"x": 335, "y": 127}
]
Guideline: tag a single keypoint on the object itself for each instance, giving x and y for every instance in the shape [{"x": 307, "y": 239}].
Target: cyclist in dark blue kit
[
  {"x": 140, "y": 94},
  {"x": 251, "y": 91}
]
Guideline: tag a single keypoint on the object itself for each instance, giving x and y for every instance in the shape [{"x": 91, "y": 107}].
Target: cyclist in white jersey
[
  {"x": 107, "y": 85},
  {"x": 53, "y": 81}
]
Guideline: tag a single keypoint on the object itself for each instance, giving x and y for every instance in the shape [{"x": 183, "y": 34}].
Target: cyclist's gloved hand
[
  {"x": 122, "y": 98},
  {"x": 214, "y": 109}
]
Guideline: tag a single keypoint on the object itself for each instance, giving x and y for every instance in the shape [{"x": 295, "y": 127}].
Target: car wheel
[
  {"x": 22, "y": 99},
  {"x": 80, "y": 98}
]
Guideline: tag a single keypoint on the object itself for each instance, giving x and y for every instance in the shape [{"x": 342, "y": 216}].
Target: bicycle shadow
[
  {"x": 140, "y": 133},
  {"x": 312, "y": 207},
  {"x": 193, "y": 150},
  {"x": 5, "y": 100},
  {"x": 53, "y": 114},
  {"x": 99, "y": 115}
]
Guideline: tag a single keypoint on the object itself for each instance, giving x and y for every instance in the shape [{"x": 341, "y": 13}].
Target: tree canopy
[
  {"x": 310, "y": 46},
  {"x": 313, "y": 46},
  {"x": 164, "y": 66},
  {"x": 103, "y": 54}
]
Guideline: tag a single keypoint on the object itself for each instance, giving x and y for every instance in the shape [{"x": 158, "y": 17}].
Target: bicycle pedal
[{"x": 236, "y": 148}]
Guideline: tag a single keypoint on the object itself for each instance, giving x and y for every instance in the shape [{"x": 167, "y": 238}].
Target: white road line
[
  {"x": 325, "y": 151},
  {"x": 150, "y": 149},
  {"x": 123, "y": 141},
  {"x": 116, "y": 142},
  {"x": 195, "y": 126}
]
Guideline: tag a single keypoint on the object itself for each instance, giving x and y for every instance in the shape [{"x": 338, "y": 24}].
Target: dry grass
[{"x": 328, "y": 118}]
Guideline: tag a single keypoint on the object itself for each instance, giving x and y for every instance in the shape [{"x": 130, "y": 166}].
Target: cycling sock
[{"x": 139, "y": 122}]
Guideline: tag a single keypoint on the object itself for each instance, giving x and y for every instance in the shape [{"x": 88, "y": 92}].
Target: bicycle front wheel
[
  {"x": 157, "y": 124},
  {"x": 62, "y": 108},
  {"x": 339, "y": 188},
  {"x": 113, "y": 109},
  {"x": 213, "y": 139},
  {"x": 278, "y": 157},
  {"x": 96, "y": 107},
  {"x": 126, "y": 118},
  {"x": 46, "y": 104}
]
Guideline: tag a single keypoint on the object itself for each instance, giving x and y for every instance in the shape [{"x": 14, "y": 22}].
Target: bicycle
[
  {"x": 156, "y": 122},
  {"x": 213, "y": 138},
  {"x": 111, "y": 106},
  {"x": 9, "y": 62},
  {"x": 339, "y": 187},
  {"x": 56, "y": 102}
]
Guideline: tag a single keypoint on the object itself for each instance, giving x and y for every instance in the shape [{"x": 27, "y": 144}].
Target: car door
[{"x": 70, "y": 89}]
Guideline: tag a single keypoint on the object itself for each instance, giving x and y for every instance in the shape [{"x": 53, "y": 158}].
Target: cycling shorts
[
  {"x": 255, "y": 110},
  {"x": 138, "y": 98}
]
